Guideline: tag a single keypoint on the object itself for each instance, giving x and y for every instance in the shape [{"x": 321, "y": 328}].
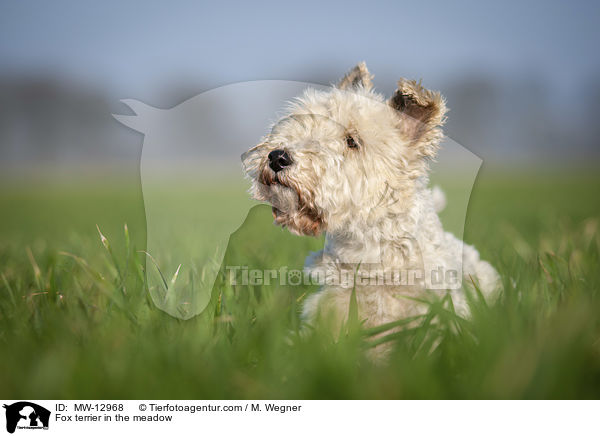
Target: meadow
[{"x": 77, "y": 320}]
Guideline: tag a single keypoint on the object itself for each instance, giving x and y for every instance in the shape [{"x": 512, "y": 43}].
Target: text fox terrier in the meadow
[{"x": 355, "y": 166}]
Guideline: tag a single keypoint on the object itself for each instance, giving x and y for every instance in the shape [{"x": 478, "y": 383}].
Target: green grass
[{"x": 77, "y": 321}]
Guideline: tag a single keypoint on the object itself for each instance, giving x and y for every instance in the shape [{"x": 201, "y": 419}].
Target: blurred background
[{"x": 522, "y": 79}]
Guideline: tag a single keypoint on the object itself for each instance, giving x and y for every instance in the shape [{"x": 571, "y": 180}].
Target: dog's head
[{"x": 346, "y": 155}]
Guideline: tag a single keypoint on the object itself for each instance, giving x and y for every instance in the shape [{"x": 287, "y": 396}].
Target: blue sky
[{"x": 131, "y": 49}]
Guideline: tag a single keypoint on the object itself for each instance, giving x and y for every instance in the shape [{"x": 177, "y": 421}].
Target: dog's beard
[{"x": 291, "y": 204}]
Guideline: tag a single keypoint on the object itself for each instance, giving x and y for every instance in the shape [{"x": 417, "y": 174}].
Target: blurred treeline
[{"x": 503, "y": 120}]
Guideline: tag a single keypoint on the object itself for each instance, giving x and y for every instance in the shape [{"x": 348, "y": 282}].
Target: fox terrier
[{"x": 348, "y": 163}]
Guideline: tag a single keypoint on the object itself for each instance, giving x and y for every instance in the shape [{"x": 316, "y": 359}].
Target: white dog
[{"x": 355, "y": 166}]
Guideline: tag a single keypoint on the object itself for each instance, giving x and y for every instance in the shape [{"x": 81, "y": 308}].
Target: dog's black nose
[{"x": 279, "y": 159}]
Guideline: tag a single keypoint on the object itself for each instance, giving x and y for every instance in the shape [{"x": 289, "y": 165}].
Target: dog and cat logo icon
[{"x": 26, "y": 415}]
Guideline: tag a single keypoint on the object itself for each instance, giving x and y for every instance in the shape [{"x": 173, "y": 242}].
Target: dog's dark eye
[{"x": 350, "y": 142}]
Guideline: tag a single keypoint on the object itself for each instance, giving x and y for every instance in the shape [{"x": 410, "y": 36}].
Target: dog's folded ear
[
  {"x": 357, "y": 77},
  {"x": 422, "y": 113}
]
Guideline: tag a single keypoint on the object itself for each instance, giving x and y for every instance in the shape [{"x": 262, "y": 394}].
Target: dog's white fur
[{"x": 369, "y": 194}]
